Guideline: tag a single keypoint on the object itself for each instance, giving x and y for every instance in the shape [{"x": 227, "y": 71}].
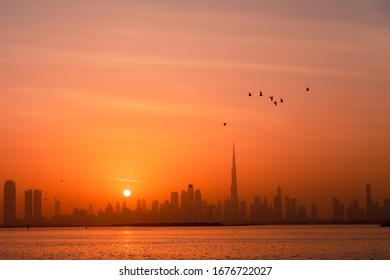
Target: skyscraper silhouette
[
  {"x": 198, "y": 201},
  {"x": 233, "y": 189},
  {"x": 117, "y": 208},
  {"x": 190, "y": 198},
  {"x": 183, "y": 203},
  {"x": 175, "y": 200},
  {"x": 338, "y": 209},
  {"x": 231, "y": 211},
  {"x": 9, "y": 203},
  {"x": 369, "y": 214},
  {"x": 291, "y": 210},
  {"x": 33, "y": 206},
  {"x": 278, "y": 205},
  {"x": 174, "y": 210},
  {"x": 37, "y": 206},
  {"x": 28, "y": 206}
]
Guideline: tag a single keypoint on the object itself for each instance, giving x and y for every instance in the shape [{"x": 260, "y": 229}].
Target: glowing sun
[{"x": 126, "y": 193}]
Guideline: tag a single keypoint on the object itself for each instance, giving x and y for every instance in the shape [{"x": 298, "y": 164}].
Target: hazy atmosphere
[{"x": 101, "y": 96}]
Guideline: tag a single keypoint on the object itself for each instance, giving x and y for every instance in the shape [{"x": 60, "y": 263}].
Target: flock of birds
[{"x": 272, "y": 98}]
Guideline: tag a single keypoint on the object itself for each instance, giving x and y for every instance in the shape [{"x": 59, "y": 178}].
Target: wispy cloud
[{"x": 124, "y": 180}]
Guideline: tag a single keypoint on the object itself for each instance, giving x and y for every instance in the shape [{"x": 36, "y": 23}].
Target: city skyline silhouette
[
  {"x": 215, "y": 130},
  {"x": 188, "y": 207},
  {"x": 95, "y": 99}
]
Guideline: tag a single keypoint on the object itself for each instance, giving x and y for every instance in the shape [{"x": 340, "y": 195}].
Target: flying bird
[
  {"x": 307, "y": 89},
  {"x": 249, "y": 94},
  {"x": 271, "y": 97},
  {"x": 281, "y": 100},
  {"x": 276, "y": 103},
  {"x": 224, "y": 124},
  {"x": 261, "y": 93}
]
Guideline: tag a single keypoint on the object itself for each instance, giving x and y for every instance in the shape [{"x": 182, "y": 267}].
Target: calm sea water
[{"x": 321, "y": 242}]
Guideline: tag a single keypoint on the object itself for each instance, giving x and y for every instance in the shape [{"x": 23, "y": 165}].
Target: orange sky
[{"x": 96, "y": 90}]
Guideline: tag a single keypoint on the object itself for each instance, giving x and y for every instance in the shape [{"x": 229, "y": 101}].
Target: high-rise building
[
  {"x": 155, "y": 207},
  {"x": 9, "y": 203},
  {"x": 278, "y": 205},
  {"x": 183, "y": 203},
  {"x": 117, "y": 208},
  {"x": 190, "y": 198},
  {"x": 302, "y": 216},
  {"x": 33, "y": 206},
  {"x": 139, "y": 204},
  {"x": 354, "y": 212},
  {"x": 218, "y": 211},
  {"x": 198, "y": 200},
  {"x": 175, "y": 200},
  {"x": 233, "y": 188},
  {"x": 174, "y": 213},
  {"x": 109, "y": 211},
  {"x": 231, "y": 211},
  {"x": 198, "y": 205},
  {"x": 291, "y": 210},
  {"x": 243, "y": 211},
  {"x": 28, "y": 206},
  {"x": 338, "y": 209},
  {"x": 37, "y": 205}
]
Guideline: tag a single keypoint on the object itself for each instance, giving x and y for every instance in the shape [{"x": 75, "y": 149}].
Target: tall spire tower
[{"x": 233, "y": 189}]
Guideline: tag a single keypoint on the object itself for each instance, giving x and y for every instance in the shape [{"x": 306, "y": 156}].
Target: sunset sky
[{"x": 108, "y": 95}]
